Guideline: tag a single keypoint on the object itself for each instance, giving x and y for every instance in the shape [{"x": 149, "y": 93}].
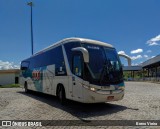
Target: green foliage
[
  {"x": 10, "y": 86},
  {"x": 137, "y": 74}
]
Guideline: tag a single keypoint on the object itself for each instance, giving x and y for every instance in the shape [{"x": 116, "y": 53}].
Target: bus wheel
[
  {"x": 61, "y": 95},
  {"x": 26, "y": 87}
]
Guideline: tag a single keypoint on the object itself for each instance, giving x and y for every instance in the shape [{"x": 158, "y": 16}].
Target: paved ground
[{"x": 141, "y": 102}]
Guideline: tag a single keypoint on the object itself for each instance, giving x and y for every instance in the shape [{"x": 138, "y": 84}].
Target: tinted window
[
  {"x": 77, "y": 65},
  {"x": 24, "y": 64},
  {"x": 96, "y": 58},
  {"x": 68, "y": 47},
  {"x": 53, "y": 56},
  {"x": 113, "y": 58},
  {"x": 104, "y": 65}
]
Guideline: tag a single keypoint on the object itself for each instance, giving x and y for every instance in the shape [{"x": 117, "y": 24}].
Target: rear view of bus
[{"x": 78, "y": 69}]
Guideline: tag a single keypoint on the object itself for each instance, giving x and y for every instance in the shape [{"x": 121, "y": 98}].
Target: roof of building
[
  {"x": 10, "y": 71},
  {"x": 132, "y": 68},
  {"x": 151, "y": 61}
]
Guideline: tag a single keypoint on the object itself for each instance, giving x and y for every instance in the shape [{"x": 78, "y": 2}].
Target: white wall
[{"x": 7, "y": 78}]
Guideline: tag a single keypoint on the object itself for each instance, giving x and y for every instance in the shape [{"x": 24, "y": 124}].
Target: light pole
[{"x": 31, "y": 4}]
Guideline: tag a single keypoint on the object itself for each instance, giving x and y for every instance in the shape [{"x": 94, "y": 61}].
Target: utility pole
[{"x": 31, "y": 4}]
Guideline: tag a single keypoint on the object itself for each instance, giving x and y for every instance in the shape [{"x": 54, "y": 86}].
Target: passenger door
[{"x": 77, "y": 81}]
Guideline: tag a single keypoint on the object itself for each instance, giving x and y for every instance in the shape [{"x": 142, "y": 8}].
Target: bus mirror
[{"x": 84, "y": 52}]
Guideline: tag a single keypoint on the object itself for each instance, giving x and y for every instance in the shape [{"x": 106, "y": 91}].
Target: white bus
[{"x": 78, "y": 69}]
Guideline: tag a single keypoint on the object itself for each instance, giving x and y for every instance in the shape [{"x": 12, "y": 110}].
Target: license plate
[{"x": 110, "y": 97}]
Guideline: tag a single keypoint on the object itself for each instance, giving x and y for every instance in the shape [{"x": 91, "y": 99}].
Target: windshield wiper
[
  {"x": 105, "y": 71},
  {"x": 92, "y": 74}
]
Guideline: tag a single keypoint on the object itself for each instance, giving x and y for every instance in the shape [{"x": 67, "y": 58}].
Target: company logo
[
  {"x": 36, "y": 74},
  {"x": 6, "y": 123},
  {"x": 21, "y": 123}
]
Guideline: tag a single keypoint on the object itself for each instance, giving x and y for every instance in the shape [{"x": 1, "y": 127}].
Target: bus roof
[{"x": 66, "y": 40}]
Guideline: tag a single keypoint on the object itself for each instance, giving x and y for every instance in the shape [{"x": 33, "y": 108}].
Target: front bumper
[{"x": 101, "y": 96}]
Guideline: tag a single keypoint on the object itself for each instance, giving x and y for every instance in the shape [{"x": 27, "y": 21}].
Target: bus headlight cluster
[
  {"x": 121, "y": 88},
  {"x": 92, "y": 89}
]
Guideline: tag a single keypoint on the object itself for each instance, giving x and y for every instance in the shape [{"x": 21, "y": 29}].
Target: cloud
[
  {"x": 153, "y": 41},
  {"x": 135, "y": 64},
  {"x": 136, "y": 51},
  {"x": 7, "y": 65},
  {"x": 149, "y": 51},
  {"x": 136, "y": 57},
  {"x": 146, "y": 56},
  {"x": 122, "y": 52},
  {"x": 153, "y": 44},
  {"x": 152, "y": 56}
]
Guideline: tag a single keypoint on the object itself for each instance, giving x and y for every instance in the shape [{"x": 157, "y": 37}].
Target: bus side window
[
  {"x": 77, "y": 65},
  {"x": 24, "y": 65}
]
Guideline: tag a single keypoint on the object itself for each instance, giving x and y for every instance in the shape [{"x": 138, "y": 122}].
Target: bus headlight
[
  {"x": 121, "y": 88},
  {"x": 92, "y": 89}
]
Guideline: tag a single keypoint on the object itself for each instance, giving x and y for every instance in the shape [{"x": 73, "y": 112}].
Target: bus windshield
[{"x": 104, "y": 66}]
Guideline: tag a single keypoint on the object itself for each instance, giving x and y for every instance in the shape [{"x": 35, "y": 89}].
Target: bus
[{"x": 78, "y": 69}]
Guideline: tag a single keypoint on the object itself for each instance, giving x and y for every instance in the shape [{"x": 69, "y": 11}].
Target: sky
[{"x": 131, "y": 26}]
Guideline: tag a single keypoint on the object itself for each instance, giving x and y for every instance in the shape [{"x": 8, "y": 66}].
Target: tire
[
  {"x": 25, "y": 88},
  {"x": 61, "y": 95}
]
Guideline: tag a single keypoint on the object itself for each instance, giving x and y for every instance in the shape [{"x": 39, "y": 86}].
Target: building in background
[
  {"x": 10, "y": 76},
  {"x": 148, "y": 70},
  {"x": 151, "y": 69}
]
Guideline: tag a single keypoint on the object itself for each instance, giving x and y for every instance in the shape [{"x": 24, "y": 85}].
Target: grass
[{"x": 10, "y": 86}]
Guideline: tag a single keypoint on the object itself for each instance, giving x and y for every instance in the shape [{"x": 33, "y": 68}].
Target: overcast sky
[{"x": 131, "y": 26}]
